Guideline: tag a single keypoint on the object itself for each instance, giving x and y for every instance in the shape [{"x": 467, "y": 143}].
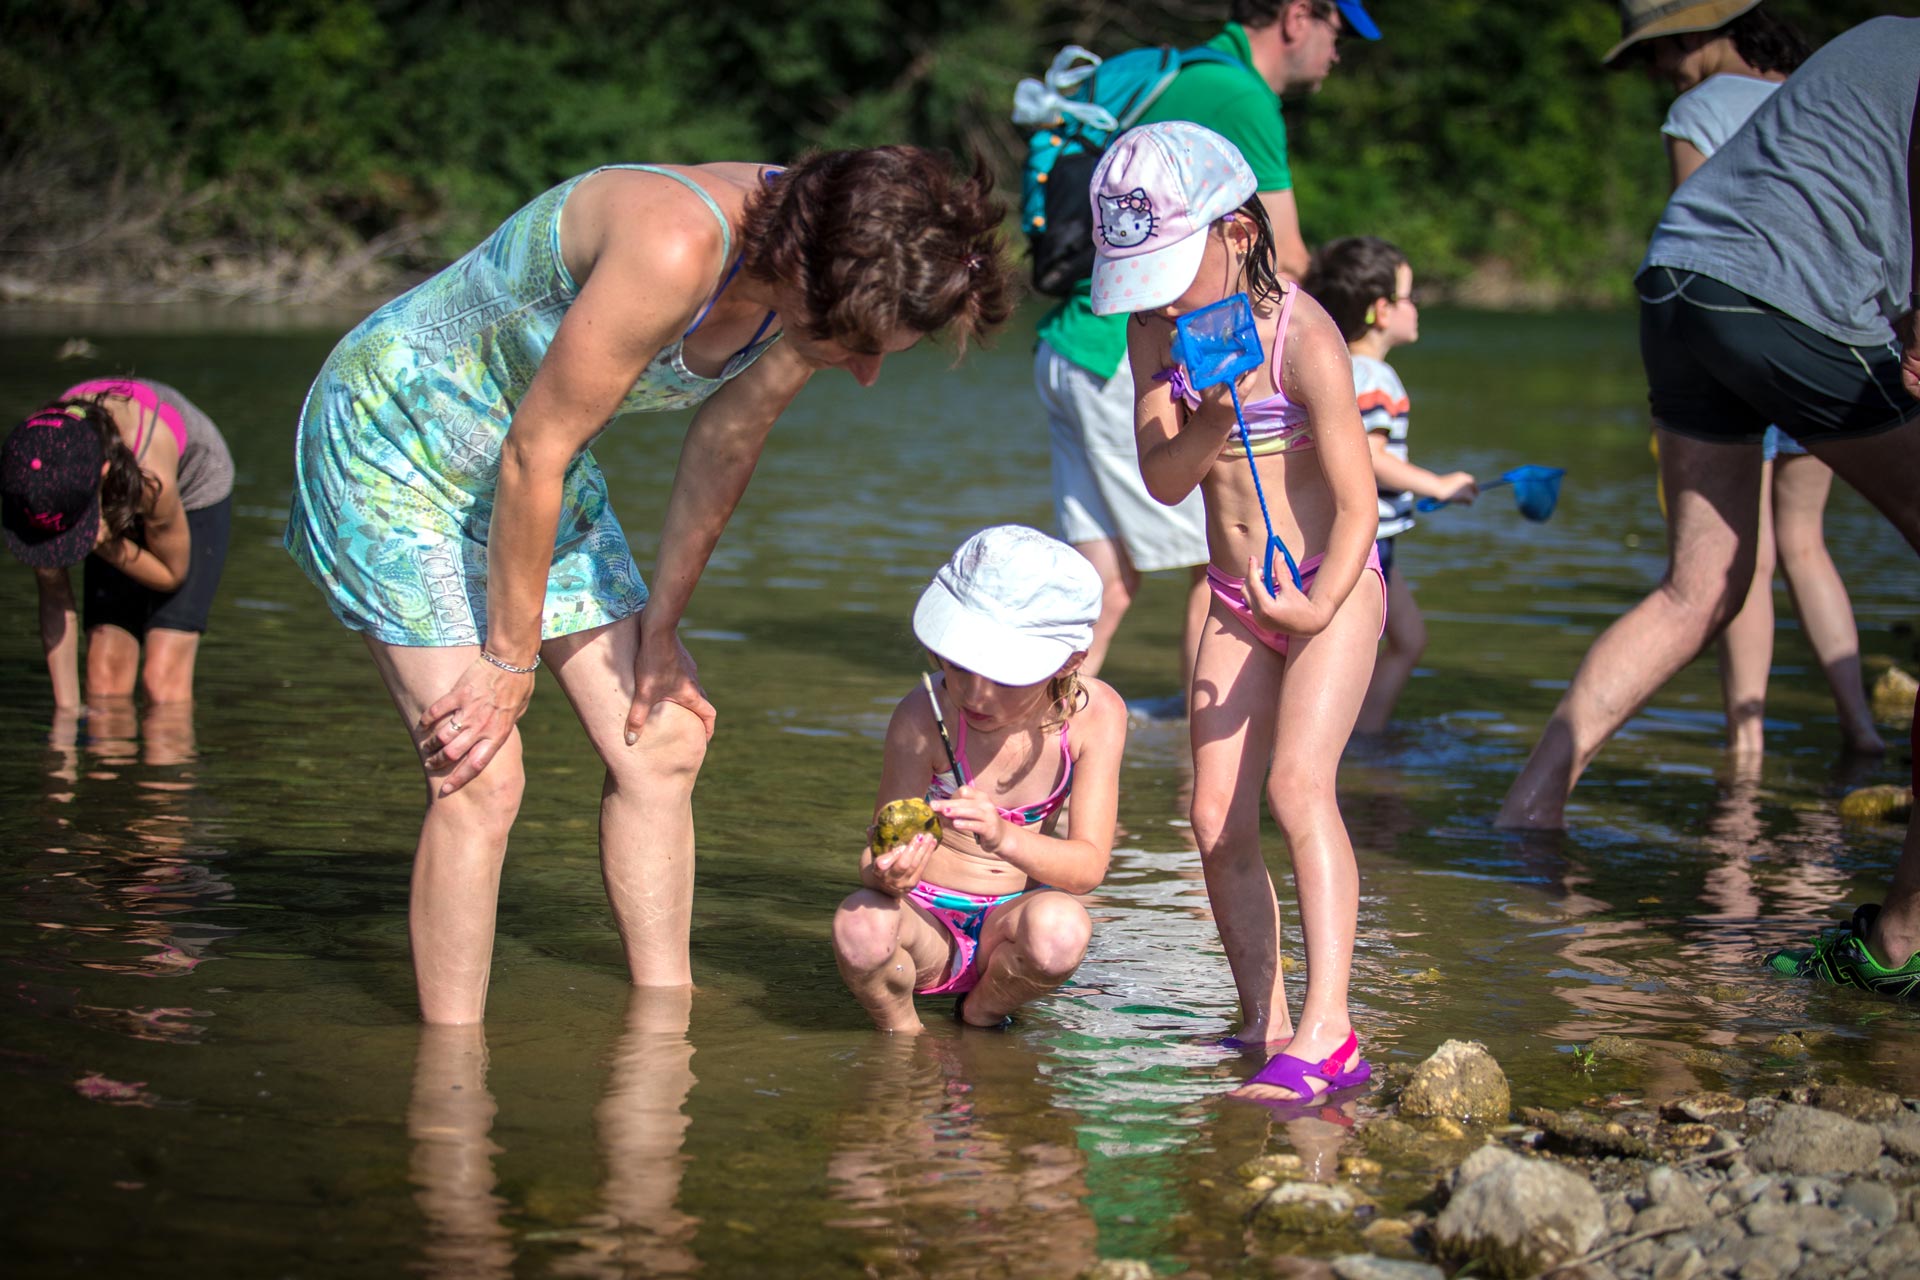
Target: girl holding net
[{"x": 1278, "y": 452}]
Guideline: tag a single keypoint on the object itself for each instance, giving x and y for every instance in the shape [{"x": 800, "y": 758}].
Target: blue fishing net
[
  {"x": 1217, "y": 344},
  {"x": 1536, "y": 490}
]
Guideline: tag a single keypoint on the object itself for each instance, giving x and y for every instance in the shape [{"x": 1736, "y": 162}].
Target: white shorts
[{"x": 1098, "y": 494}]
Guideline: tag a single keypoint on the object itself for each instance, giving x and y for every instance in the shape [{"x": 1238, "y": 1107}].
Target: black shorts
[
  {"x": 1722, "y": 365},
  {"x": 1385, "y": 547},
  {"x": 112, "y": 599}
]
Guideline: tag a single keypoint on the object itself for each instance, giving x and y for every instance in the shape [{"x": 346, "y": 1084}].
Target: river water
[{"x": 212, "y": 1055}]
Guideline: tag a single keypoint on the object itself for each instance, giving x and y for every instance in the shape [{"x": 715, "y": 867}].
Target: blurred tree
[{"x": 143, "y": 138}]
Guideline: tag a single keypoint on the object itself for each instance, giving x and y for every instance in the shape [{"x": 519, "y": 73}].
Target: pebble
[
  {"x": 1365, "y": 1266},
  {"x": 1679, "y": 1265},
  {"x": 1873, "y": 1201}
]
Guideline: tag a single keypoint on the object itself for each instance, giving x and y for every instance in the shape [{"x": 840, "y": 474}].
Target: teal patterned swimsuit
[{"x": 398, "y": 453}]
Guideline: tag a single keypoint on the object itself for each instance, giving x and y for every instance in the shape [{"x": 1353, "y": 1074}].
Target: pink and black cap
[{"x": 50, "y": 489}]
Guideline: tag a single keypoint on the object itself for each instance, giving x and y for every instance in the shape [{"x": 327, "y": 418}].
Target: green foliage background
[{"x": 1483, "y": 136}]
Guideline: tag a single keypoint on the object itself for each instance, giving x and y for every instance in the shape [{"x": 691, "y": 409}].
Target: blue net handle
[{"x": 1273, "y": 539}]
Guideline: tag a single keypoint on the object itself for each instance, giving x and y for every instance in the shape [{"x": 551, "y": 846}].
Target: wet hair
[
  {"x": 879, "y": 240},
  {"x": 125, "y": 490},
  {"x": 1347, "y": 276},
  {"x": 1766, "y": 42},
  {"x": 1066, "y": 696},
  {"x": 1263, "y": 280},
  {"x": 1264, "y": 13}
]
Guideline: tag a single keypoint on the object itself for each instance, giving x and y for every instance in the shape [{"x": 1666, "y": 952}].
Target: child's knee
[
  {"x": 1215, "y": 824},
  {"x": 866, "y": 930},
  {"x": 1298, "y": 794},
  {"x": 1055, "y": 933}
]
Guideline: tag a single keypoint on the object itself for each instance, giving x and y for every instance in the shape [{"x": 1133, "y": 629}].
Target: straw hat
[{"x": 1645, "y": 19}]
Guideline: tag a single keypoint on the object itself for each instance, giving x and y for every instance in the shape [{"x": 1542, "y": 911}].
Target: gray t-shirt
[
  {"x": 206, "y": 467},
  {"x": 1806, "y": 207}
]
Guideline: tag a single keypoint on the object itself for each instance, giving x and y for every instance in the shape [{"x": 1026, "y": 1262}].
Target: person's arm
[
  {"x": 904, "y": 771},
  {"x": 1321, "y": 380},
  {"x": 716, "y": 462},
  {"x": 1290, "y": 255},
  {"x": 160, "y": 558},
  {"x": 1077, "y": 861},
  {"x": 651, "y": 264},
  {"x": 1684, "y": 158},
  {"x": 1394, "y": 473},
  {"x": 1174, "y": 454},
  {"x": 60, "y": 634}
]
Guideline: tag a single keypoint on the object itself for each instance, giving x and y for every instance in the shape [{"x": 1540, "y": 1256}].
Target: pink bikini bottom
[{"x": 1228, "y": 591}]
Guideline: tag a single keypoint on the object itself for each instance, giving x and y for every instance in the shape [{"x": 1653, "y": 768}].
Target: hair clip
[{"x": 975, "y": 262}]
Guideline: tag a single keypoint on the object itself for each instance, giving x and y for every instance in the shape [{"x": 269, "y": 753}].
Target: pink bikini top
[
  {"x": 940, "y": 786},
  {"x": 157, "y": 410},
  {"x": 1274, "y": 424}
]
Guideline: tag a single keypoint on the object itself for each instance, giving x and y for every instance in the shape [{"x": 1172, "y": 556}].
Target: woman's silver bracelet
[{"x": 508, "y": 666}]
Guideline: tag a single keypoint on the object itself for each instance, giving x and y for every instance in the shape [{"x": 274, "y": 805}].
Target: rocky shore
[{"x": 1819, "y": 1182}]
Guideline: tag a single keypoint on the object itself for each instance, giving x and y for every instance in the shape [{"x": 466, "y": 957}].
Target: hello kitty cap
[{"x": 1156, "y": 192}]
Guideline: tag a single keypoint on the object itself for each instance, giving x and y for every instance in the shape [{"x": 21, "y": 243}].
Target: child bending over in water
[
  {"x": 1281, "y": 672},
  {"x": 986, "y": 910},
  {"x": 1366, "y": 285}
]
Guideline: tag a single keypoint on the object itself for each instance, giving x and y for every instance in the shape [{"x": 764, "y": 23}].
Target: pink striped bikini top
[
  {"x": 1274, "y": 423},
  {"x": 941, "y": 785}
]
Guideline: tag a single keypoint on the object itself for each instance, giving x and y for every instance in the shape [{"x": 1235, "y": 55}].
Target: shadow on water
[{"x": 203, "y": 933}]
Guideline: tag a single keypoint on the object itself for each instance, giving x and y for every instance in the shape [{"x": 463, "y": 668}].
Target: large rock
[
  {"x": 1893, "y": 697},
  {"x": 1856, "y": 1103},
  {"x": 1309, "y": 1208},
  {"x": 1460, "y": 1081},
  {"x": 1887, "y": 803},
  {"x": 1366, "y": 1266},
  {"x": 1119, "y": 1269},
  {"x": 1902, "y": 1135},
  {"x": 1517, "y": 1217},
  {"x": 1809, "y": 1140}
]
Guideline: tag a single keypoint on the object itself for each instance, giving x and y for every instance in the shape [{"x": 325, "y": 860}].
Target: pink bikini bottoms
[{"x": 1228, "y": 592}]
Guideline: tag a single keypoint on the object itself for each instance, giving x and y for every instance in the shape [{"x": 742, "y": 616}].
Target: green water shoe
[{"x": 1841, "y": 959}]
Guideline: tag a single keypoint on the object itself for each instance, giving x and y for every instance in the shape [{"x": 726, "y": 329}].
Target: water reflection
[
  {"x": 962, "y": 1161},
  {"x": 450, "y": 1120},
  {"x": 118, "y": 873},
  {"x": 642, "y": 1125}
]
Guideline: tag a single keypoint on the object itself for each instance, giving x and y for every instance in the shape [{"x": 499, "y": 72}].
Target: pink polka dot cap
[{"x": 1157, "y": 190}]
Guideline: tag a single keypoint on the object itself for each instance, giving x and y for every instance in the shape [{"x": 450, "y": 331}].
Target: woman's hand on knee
[
  {"x": 469, "y": 725},
  {"x": 665, "y": 672}
]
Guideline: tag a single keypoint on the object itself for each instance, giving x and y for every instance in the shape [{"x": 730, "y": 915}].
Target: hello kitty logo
[{"x": 1126, "y": 221}]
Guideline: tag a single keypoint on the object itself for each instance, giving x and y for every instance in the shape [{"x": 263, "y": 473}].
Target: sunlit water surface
[{"x": 212, "y": 1050}]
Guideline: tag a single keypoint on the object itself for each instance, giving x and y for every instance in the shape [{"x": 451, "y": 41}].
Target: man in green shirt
[{"x": 1279, "y": 47}]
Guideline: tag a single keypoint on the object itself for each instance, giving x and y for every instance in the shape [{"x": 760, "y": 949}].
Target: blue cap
[{"x": 1357, "y": 20}]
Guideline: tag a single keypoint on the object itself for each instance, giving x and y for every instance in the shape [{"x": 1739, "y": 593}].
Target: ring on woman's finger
[{"x": 457, "y": 726}]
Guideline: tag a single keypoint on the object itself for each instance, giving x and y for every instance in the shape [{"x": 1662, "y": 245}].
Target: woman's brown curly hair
[{"x": 879, "y": 240}]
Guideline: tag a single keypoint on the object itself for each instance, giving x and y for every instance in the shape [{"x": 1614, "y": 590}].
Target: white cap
[
  {"x": 1012, "y": 605},
  {"x": 1156, "y": 191}
]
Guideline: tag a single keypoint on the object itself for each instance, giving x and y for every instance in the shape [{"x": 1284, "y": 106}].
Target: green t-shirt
[{"x": 1237, "y": 105}]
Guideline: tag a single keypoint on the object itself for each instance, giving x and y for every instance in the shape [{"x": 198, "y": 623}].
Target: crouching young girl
[{"x": 1018, "y": 758}]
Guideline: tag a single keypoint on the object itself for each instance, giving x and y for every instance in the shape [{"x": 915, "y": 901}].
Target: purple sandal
[{"x": 1285, "y": 1071}]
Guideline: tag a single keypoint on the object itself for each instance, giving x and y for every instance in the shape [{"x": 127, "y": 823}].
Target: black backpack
[{"x": 1083, "y": 104}]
